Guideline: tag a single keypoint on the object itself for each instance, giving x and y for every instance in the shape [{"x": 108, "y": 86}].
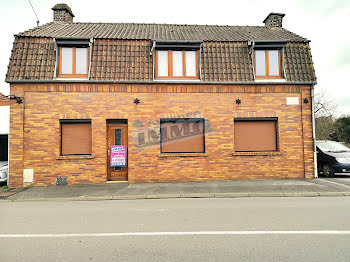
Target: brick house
[
  {"x": 4, "y": 126},
  {"x": 183, "y": 102}
]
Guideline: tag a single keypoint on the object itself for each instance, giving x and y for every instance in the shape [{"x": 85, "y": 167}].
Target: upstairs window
[
  {"x": 177, "y": 64},
  {"x": 268, "y": 64},
  {"x": 73, "y": 58},
  {"x": 73, "y": 62}
]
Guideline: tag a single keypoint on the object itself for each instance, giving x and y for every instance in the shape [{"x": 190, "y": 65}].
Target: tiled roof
[
  {"x": 161, "y": 32},
  {"x": 121, "y": 60},
  {"x": 226, "y": 61},
  {"x": 32, "y": 58},
  {"x": 121, "y": 51},
  {"x": 130, "y": 60},
  {"x": 298, "y": 62}
]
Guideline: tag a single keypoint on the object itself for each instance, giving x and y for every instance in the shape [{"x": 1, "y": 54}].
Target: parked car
[
  {"x": 332, "y": 157},
  {"x": 4, "y": 169}
]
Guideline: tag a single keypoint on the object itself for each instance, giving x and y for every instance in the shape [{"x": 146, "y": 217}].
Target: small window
[
  {"x": 176, "y": 64},
  {"x": 73, "y": 62},
  {"x": 182, "y": 135},
  {"x": 268, "y": 64},
  {"x": 255, "y": 135},
  {"x": 75, "y": 137}
]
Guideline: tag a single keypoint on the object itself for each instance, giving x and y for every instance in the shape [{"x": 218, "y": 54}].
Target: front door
[{"x": 117, "y": 134}]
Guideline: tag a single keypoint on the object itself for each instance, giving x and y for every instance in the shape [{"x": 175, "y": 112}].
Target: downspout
[
  {"x": 91, "y": 42},
  {"x": 251, "y": 52},
  {"x": 314, "y": 130},
  {"x": 151, "y": 53},
  {"x": 56, "y": 61}
]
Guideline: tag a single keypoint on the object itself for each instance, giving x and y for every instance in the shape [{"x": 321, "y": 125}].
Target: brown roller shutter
[
  {"x": 182, "y": 136},
  {"x": 255, "y": 136},
  {"x": 76, "y": 138}
]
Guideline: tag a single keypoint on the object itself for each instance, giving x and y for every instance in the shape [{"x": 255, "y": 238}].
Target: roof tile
[
  {"x": 226, "y": 59},
  {"x": 161, "y": 32}
]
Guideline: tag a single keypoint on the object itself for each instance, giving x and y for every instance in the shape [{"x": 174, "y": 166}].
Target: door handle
[{"x": 109, "y": 152}]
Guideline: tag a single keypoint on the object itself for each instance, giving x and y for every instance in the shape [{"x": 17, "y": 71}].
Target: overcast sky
[{"x": 323, "y": 22}]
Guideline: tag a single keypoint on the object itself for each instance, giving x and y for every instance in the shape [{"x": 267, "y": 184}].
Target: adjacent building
[
  {"x": 4, "y": 126},
  {"x": 98, "y": 102}
]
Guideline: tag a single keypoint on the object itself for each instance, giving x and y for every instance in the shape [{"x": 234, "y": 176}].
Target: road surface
[{"x": 237, "y": 229}]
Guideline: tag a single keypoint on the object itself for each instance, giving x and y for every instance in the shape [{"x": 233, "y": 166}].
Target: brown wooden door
[{"x": 117, "y": 134}]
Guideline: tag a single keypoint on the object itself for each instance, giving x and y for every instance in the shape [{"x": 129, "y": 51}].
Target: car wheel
[{"x": 327, "y": 170}]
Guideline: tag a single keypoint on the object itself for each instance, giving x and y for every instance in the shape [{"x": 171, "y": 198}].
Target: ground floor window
[
  {"x": 76, "y": 137},
  {"x": 182, "y": 135},
  {"x": 255, "y": 134}
]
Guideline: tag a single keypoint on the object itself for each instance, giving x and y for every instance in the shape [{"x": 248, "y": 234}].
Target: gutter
[
  {"x": 36, "y": 81},
  {"x": 314, "y": 130}
]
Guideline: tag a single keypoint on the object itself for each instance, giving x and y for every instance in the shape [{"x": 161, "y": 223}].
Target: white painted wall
[{"x": 4, "y": 120}]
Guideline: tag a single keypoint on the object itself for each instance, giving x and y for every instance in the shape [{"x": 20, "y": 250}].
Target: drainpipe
[{"x": 314, "y": 130}]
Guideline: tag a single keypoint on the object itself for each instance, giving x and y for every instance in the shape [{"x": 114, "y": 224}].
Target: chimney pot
[
  {"x": 62, "y": 13},
  {"x": 274, "y": 20}
]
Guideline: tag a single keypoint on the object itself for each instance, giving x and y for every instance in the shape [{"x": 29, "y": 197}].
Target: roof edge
[
  {"x": 162, "y": 82},
  {"x": 166, "y": 41}
]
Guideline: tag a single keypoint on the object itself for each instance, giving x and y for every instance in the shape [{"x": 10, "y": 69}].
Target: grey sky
[{"x": 324, "y": 22}]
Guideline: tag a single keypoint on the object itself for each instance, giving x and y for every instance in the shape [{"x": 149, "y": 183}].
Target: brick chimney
[
  {"x": 62, "y": 13},
  {"x": 274, "y": 20}
]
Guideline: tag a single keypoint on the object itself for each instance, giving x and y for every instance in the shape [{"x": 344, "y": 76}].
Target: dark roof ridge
[{"x": 171, "y": 24}]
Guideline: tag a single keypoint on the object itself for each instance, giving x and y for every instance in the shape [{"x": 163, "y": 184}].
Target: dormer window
[
  {"x": 268, "y": 64},
  {"x": 73, "y": 62},
  {"x": 267, "y": 59},
  {"x": 177, "y": 60},
  {"x": 73, "y": 59},
  {"x": 177, "y": 64}
]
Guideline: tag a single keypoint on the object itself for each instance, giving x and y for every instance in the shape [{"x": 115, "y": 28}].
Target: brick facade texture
[{"x": 35, "y": 131}]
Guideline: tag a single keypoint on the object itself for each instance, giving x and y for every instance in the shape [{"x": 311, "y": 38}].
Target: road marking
[
  {"x": 332, "y": 182},
  {"x": 191, "y": 233}
]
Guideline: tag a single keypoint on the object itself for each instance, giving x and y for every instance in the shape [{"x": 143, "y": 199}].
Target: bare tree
[
  {"x": 324, "y": 104},
  {"x": 325, "y": 128},
  {"x": 325, "y": 109}
]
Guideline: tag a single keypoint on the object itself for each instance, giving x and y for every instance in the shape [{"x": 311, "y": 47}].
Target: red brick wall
[{"x": 35, "y": 141}]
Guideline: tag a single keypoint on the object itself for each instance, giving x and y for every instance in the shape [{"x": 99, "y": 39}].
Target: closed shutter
[
  {"x": 182, "y": 136},
  {"x": 255, "y": 136},
  {"x": 76, "y": 138}
]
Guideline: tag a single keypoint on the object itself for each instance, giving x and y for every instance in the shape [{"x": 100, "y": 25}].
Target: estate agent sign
[{"x": 118, "y": 156}]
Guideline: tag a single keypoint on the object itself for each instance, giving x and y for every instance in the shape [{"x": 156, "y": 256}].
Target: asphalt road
[{"x": 238, "y": 229}]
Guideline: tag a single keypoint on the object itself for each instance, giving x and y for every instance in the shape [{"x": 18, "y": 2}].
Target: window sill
[
  {"x": 269, "y": 80},
  {"x": 162, "y": 155},
  {"x": 71, "y": 78},
  {"x": 256, "y": 154},
  {"x": 73, "y": 157},
  {"x": 172, "y": 80}
]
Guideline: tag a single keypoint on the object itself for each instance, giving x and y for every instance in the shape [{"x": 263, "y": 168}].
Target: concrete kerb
[
  {"x": 188, "y": 195},
  {"x": 231, "y": 195},
  {"x": 335, "y": 194},
  {"x": 197, "y": 195},
  {"x": 269, "y": 194},
  {"x": 301, "y": 194}
]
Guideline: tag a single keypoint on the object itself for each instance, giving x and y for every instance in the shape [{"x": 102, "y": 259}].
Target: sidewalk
[{"x": 228, "y": 189}]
